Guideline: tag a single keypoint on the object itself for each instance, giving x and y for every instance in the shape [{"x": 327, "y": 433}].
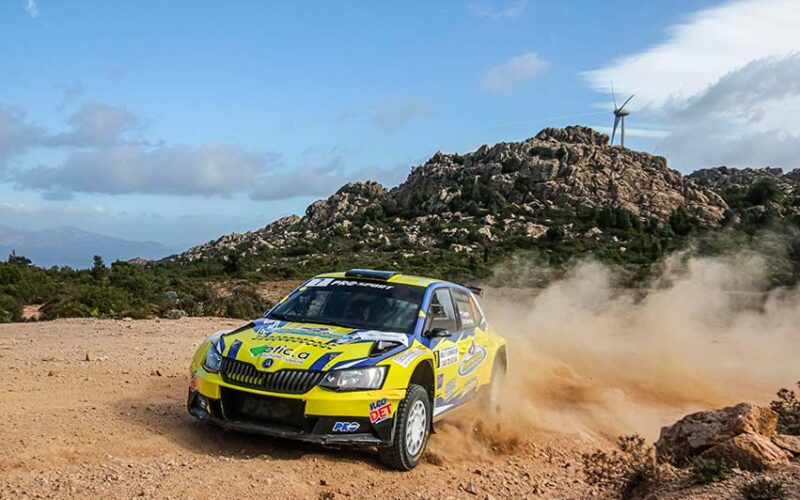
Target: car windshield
[{"x": 353, "y": 303}]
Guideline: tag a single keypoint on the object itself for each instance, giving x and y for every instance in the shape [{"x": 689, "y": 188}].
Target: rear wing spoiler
[{"x": 474, "y": 289}]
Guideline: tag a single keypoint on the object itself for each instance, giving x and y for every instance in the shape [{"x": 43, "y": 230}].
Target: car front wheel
[{"x": 412, "y": 430}]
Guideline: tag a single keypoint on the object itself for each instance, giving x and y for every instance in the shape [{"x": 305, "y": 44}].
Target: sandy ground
[{"x": 96, "y": 408}]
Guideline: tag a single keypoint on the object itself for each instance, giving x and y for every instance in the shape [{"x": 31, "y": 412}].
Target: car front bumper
[{"x": 319, "y": 416}]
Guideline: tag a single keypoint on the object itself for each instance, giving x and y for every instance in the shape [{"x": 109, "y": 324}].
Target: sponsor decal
[
  {"x": 279, "y": 337},
  {"x": 280, "y": 352},
  {"x": 405, "y": 358},
  {"x": 448, "y": 356},
  {"x": 267, "y": 326},
  {"x": 439, "y": 380},
  {"x": 361, "y": 284},
  {"x": 471, "y": 384},
  {"x": 380, "y": 410},
  {"x": 319, "y": 282},
  {"x": 450, "y": 389},
  {"x": 373, "y": 336},
  {"x": 345, "y": 426},
  {"x": 278, "y": 331},
  {"x": 474, "y": 357}
]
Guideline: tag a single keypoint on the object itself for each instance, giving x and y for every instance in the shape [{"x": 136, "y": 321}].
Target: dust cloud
[{"x": 589, "y": 358}]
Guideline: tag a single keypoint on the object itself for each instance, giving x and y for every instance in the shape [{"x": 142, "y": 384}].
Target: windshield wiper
[
  {"x": 335, "y": 323},
  {"x": 321, "y": 321},
  {"x": 285, "y": 317}
]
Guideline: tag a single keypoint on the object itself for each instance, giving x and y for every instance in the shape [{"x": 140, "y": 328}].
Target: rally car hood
[{"x": 273, "y": 345}]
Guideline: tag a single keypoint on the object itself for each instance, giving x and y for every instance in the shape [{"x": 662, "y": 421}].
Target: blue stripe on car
[{"x": 323, "y": 360}]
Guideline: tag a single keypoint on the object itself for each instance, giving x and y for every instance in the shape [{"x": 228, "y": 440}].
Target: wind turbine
[{"x": 619, "y": 117}]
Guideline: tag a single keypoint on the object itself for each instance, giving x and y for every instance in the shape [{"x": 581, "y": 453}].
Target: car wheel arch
[
  {"x": 424, "y": 375},
  {"x": 502, "y": 357}
]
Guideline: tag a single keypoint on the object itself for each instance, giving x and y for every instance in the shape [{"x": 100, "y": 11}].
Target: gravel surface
[{"x": 96, "y": 408}]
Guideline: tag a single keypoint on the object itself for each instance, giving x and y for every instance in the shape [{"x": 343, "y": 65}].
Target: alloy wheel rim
[{"x": 415, "y": 428}]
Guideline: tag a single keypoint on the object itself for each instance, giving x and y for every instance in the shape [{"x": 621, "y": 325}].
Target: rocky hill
[{"x": 514, "y": 190}]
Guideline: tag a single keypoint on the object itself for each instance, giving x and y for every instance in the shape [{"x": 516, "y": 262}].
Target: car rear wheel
[{"x": 412, "y": 428}]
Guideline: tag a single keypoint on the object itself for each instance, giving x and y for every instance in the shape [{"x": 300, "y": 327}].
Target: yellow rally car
[{"x": 357, "y": 358}]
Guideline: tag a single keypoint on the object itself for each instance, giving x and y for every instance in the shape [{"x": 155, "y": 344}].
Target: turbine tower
[{"x": 619, "y": 117}]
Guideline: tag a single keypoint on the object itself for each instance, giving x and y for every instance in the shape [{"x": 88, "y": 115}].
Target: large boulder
[
  {"x": 699, "y": 432},
  {"x": 748, "y": 451},
  {"x": 788, "y": 443}
]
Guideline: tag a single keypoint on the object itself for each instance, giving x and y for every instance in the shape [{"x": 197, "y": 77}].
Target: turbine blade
[
  {"x": 613, "y": 95},
  {"x": 626, "y": 102},
  {"x": 614, "y": 131}
]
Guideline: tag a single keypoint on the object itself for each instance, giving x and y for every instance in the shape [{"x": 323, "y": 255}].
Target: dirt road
[{"x": 95, "y": 408}]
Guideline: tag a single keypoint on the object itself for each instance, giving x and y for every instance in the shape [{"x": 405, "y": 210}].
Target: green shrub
[
  {"x": 709, "y": 470},
  {"x": 787, "y": 406},
  {"x": 764, "y": 191},
  {"x": 10, "y": 309},
  {"x": 623, "y": 472},
  {"x": 764, "y": 489}
]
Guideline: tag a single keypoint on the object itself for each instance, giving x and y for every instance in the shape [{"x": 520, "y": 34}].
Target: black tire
[
  {"x": 491, "y": 400},
  {"x": 397, "y": 456}
]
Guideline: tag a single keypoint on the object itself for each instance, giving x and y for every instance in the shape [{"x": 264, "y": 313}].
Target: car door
[
  {"x": 472, "y": 344},
  {"x": 441, "y": 314},
  {"x": 473, "y": 365}
]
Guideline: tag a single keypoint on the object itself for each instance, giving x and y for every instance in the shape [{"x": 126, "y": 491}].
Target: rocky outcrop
[
  {"x": 751, "y": 452},
  {"x": 740, "y": 435},
  {"x": 788, "y": 443},
  {"x": 571, "y": 168},
  {"x": 726, "y": 178},
  {"x": 349, "y": 201},
  {"x": 456, "y": 200}
]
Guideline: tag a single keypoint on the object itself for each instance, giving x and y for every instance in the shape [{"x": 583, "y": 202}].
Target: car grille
[
  {"x": 246, "y": 407},
  {"x": 283, "y": 381}
]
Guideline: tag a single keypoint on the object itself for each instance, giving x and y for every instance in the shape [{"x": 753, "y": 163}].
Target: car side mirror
[{"x": 439, "y": 332}]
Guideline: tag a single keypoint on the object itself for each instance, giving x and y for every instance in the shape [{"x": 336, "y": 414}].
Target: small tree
[
  {"x": 99, "y": 270},
  {"x": 18, "y": 260}
]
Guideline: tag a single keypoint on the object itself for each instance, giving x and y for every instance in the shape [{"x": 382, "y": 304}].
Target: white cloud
[
  {"x": 725, "y": 82},
  {"x": 31, "y": 8},
  {"x": 321, "y": 181},
  {"x": 16, "y": 134},
  {"x": 505, "y": 77},
  {"x": 391, "y": 114},
  {"x": 507, "y": 11},
  {"x": 96, "y": 155},
  {"x": 307, "y": 181},
  {"x": 97, "y": 124},
  {"x": 212, "y": 169}
]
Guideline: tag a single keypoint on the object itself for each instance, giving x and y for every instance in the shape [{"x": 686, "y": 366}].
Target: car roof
[{"x": 399, "y": 278}]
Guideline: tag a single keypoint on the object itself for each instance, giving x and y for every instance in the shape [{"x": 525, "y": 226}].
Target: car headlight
[
  {"x": 213, "y": 358},
  {"x": 356, "y": 379}
]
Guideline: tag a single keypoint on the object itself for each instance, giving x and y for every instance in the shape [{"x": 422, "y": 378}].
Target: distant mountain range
[{"x": 74, "y": 247}]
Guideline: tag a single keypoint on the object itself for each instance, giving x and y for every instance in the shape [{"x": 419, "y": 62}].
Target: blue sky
[{"x": 180, "y": 121}]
